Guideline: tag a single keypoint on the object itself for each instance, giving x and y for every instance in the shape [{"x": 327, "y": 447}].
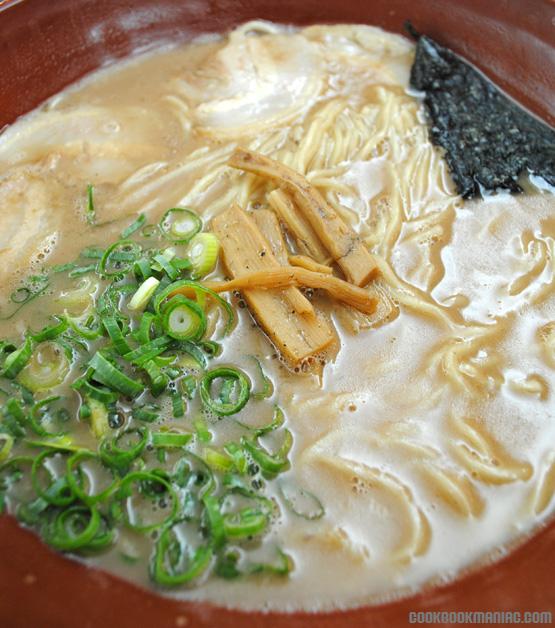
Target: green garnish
[
  {"x": 203, "y": 253},
  {"x": 134, "y": 226},
  {"x": 126, "y": 353},
  {"x": 183, "y": 319},
  {"x": 118, "y": 258},
  {"x": 234, "y": 393},
  {"x": 6, "y": 444},
  {"x": 91, "y": 211},
  {"x": 106, "y": 373},
  {"x": 16, "y": 360},
  {"x": 144, "y": 293},
  {"x": 180, "y": 224}
]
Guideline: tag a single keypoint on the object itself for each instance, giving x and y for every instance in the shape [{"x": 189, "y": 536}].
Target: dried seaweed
[{"x": 489, "y": 140}]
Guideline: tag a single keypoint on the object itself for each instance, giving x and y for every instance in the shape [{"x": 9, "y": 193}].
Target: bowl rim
[{"x": 508, "y": 583}]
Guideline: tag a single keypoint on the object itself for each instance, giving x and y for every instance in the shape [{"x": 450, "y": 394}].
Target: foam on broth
[{"x": 430, "y": 437}]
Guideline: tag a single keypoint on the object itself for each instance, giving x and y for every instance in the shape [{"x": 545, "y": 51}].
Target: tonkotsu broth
[{"x": 429, "y": 438}]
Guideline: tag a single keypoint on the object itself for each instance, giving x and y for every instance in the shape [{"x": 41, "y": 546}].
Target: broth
[{"x": 429, "y": 437}]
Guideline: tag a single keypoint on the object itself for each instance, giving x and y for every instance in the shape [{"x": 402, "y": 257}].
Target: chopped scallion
[
  {"x": 226, "y": 374},
  {"x": 183, "y": 319},
  {"x": 180, "y": 224},
  {"x": 144, "y": 293},
  {"x": 91, "y": 211},
  {"x": 134, "y": 226},
  {"x": 106, "y": 373},
  {"x": 203, "y": 253}
]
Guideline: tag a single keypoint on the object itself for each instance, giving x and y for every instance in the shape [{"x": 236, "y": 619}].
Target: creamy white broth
[{"x": 429, "y": 438}]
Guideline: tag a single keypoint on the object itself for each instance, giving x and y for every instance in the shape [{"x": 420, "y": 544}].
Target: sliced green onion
[
  {"x": 81, "y": 270},
  {"x": 236, "y": 453},
  {"x": 22, "y": 296},
  {"x": 73, "y": 528},
  {"x": 149, "y": 231},
  {"x": 225, "y": 373},
  {"x": 145, "y": 478},
  {"x": 171, "y": 271},
  {"x": 203, "y": 252},
  {"x": 178, "y": 406},
  {"x": 199, "y": 290},
  {"x": 277, "y": 421},
  {"x": 11, "y": 472},
  {"x": 180, "y": 224},
  {"x": 116, "y": 336},
  {"x": 99, "y": 420},
  {"x": 74, "y": 472},
  {"x": 51, "y": 332},
  {"x": 104, "y": 395},
  {"x": 91, "y": 212},
  {"x": 217, "y": 460},
  {"x": 61, "y": 443},
  {"x": 26, "y": 395},
  {"x": 142, "y": 334},
  {"x": 150, "y": 350},
  {"x": 282, "y": 567},
  {"x": 62, "y": 268},
  {"x": 136, "y": 336},
  {"x": 79, "y": 301},
  {"x": 226, "y": 390},
  {"x": 267, "y": 385},
  {"x": 171, "y": 439},
  {"x": 270, "y": 464},
  {"x": 103, "y": 538},
  {"x": 143, "y": 295},
  {"x": 6, "y": 444},
  {"x": 203, "y": 433},
  {"x": 158, "y": 379},
  {"x": 16, "y": 360},
  {"x": 189, "y": 386},
  {"x": 245, "y": 523},
  {"x": 109, "y": 301},
  {"x": 134, "y": 226},
  {"x": 13, "y": 407},
  {"x": 106, "y": 373},
  {"x": 84, "y": 411},
  {"x": 227, "y": 565},
  {"x": 193, "y": 473},
  {"x": 35, "y": 417},
  {"x": 215, "y": 520},
  {"x": 164, "y": 574},
  {"x": 6, "y": 347},
  {"x": 198, "y": 358},
  {"x": 119, "y": 258},
  {"x": 92, "y": 252},
  {"x": 119, "y": 458},
  {"x": 211, "y": 348},
  {"x": 58, "y": 492},
  {"x": 181, "y": 264},
  {"x": 183, "y": 319},
  {"x": 142, "y": 268},
  {"x": 148, "y": 414},
  {"x": 172, "y": 371},
  {"x": 88, "y": 333},
  {"x": 33, "y": 513},
  {"x": 47, "y": 367}
]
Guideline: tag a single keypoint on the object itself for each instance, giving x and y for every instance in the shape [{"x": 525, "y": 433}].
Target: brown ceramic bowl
[{"x": 47, "y": 44}]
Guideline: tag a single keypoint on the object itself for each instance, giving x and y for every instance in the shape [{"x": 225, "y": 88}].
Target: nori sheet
[{"x": 489, "y": 140}]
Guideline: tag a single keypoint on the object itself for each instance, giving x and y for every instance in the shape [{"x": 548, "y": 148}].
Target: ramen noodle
[{"x": 425, "y": 431}]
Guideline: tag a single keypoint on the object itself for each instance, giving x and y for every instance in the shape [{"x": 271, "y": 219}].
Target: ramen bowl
[{"x": 47, "y": 46}]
